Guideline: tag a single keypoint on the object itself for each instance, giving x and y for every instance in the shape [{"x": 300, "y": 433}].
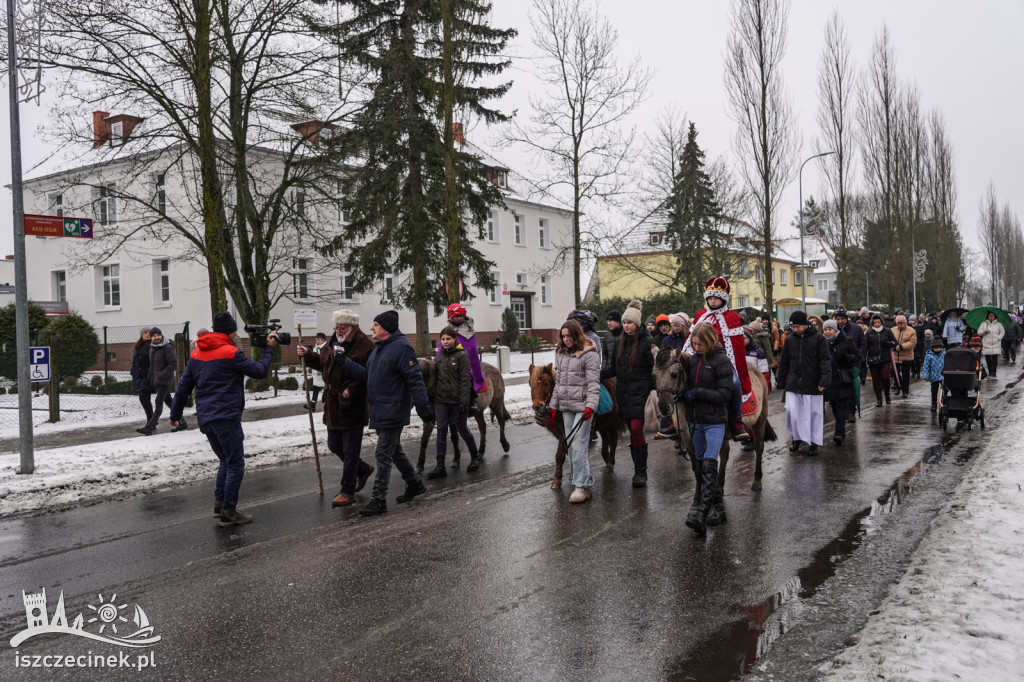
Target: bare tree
[
  {"x": 578, "y": 127},
  {"x": 836, "y": 88},
  {"x": 989, "y": 232},
  {"x": 766, "y": 139}
]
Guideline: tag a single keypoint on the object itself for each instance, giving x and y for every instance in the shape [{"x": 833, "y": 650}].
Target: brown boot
[
  {"x": 361, "y": 480},
  {"x": 342, "y": 499},
  {"x": 233, "y": 517}
]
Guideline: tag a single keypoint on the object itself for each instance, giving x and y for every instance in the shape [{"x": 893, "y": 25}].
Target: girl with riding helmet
[
  {"x": 466, "y": 336},
  {"x": 633, "y": 367}
]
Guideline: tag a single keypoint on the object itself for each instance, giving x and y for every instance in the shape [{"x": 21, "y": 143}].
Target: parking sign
[{"x": 39, "y": 363}]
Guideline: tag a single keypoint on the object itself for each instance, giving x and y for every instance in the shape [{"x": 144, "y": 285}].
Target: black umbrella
[{"x": 960, "y": 312}]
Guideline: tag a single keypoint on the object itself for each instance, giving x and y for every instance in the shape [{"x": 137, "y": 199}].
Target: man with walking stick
[
  {"x": 216, "y": 371},
  {"x": 345, "y": 406}
]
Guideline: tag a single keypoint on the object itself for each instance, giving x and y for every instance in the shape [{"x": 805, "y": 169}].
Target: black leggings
[{"x": 993, "y": 363}]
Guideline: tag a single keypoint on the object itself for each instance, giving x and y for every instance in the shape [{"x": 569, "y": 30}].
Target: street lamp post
[{"x": 803, "y": 269}]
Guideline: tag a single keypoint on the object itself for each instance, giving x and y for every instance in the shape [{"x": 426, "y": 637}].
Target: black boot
[
  {"x": 639, "y": 453},
  {"x": 412, "y": 489},
  {"x": 709, "y": 487},
  {"x": 717, "y": 515},
  {"x": 474, "y": 462},
  {"x": 440, "y": 471}
]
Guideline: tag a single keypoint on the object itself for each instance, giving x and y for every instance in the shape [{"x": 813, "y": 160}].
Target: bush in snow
[
  {"x": 75, "y": 344},
  {"x": 257, "y": 385},
  {"x": 96, "y": 380},
  {"x": 288, "y": 384}
]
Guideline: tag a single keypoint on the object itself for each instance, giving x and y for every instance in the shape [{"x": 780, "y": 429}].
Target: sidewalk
[{"x": 956, "y": 613}]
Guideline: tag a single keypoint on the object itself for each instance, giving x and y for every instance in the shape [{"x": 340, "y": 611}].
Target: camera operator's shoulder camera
[{"x": 258, "y": 334}]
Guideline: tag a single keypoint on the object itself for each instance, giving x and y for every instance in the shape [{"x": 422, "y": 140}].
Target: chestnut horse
[
  {"x": 493, "y": 397},
  {"x": 609, "y": 425},
  {"x": 671, "y": 377}
]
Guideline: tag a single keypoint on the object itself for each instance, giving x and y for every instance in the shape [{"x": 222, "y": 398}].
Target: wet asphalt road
[{"x": 491, "y": 576}]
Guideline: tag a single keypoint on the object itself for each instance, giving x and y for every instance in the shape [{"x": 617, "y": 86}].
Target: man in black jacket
[
  {"x": 610, "y": 341},
  {"x": 163, "y": 363},
  {"x": 805, "y": 371}
]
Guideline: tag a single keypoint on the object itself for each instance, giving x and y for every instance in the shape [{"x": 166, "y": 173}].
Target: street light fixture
[{"x": 803, "y": 268}]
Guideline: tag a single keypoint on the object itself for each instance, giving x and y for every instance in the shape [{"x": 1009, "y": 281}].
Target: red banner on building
[{"x": 57, "y": 226}]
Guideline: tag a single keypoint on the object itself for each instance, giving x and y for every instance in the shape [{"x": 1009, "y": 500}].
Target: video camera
[{"x": 258, "y": 334}]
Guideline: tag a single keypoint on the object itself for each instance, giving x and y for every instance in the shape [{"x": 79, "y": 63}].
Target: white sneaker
[{"x": 580, "y": 495}]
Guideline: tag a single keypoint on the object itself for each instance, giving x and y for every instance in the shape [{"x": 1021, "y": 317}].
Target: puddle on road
[{"x": 732, "y": 651}]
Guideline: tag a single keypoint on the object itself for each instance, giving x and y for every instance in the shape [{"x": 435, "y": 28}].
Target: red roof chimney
[
  {"x": 100, "y": 129},
  {"x": 460, "y": 133}
]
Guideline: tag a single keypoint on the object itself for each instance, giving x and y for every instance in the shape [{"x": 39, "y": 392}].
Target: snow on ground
[
  {"x": 958, "y": 612},
  {"x": 79, "y": 474}
]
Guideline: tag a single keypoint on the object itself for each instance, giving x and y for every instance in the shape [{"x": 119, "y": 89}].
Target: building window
[
  {"x": 494, "y": 293},
  {"x": 758, "y": 274},
  {"x": 743, "y": 269},
  {"x": 520, "y": 237},
  {"x": 348, "y": 293},
  {"x": 727, "y": 268},
  {"x": 492, "y": 227},
  {"x": 161, "y": 193},
  {"x": 545, "y": 297},
  {"x": 57, "y": 202},
  {"x": 106, "y": 203},
  {"x": 344, "y": 216},
  {"x": 111, "y": 278},
  {"x": 757, "y": 301},
  {"x": 116, "y": 133},
  {"x": 60, "y": 285},
  {"x": 782, "y": 276},
  {"x": 542, "y": 233},
  {"x": 772, "y": 272},
  {"x": 798, "y": 278},
  {"x": 387, "y": 289},
  {"x": 521, "y": 280},
  {"x": 656, "y": 238},
  {"x": 519, "y": 308},
  {"x": 822, "y": 285},
  {"x": 299, "y": 200},
  {"x": 744, "y": 301},
  {"x": 300, "y": 278},
  {"x": 162, "y": 281}
]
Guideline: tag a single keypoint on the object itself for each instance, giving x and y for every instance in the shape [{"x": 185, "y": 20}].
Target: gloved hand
[
  {"x": 339, "y": 351},
  {"x": 587, "y": 414},
  {"x": 553, "y": 415},
  {"x": 690, "y": 395}
]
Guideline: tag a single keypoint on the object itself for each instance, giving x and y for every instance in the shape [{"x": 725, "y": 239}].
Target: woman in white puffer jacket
[{"x": 991, "y": 332}]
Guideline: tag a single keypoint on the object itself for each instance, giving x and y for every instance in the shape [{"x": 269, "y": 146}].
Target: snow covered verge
[
  {"x": 85, "y": 473},
  {"x": 957, "y": 613}
]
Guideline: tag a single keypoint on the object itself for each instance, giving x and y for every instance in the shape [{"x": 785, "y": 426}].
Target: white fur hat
[{"x": 346, "y": 316}]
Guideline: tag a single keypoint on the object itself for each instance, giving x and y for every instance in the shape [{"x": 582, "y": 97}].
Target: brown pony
[
  {"x": 671, "y": 376},
  {"x": 493, "y": 397},
  {"x": 609, "y": 425}
]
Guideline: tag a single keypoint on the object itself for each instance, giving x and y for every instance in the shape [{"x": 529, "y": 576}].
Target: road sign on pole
[
  {"x": 57, "y": 226},
  {"x": 39, "y": 363}
]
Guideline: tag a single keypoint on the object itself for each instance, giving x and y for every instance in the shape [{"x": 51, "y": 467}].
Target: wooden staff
[{"x": 312, "y": 430}]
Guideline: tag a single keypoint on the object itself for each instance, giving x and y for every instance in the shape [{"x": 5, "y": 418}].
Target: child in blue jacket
[{"x": 931, "y": 369}]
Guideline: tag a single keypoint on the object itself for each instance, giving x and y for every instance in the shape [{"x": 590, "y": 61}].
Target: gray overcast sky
[{"x": 964, "y": 56}]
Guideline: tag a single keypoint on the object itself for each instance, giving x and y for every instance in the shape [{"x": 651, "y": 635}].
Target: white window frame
[
  {"x": 387, "y": 289},
  {"x": 782, "y": 277},
  {"x": 742, "y": 268},
  {"x": 545, "y": 295},
  {"x": 743, "y": 301},
  {"x": 798, "y": 278},
  {"x": 299, "y": 202},
  {"x": 542, "y": 233},
  {"x": 494, "y": 293},
  {"x": 656, "y": 238},
  {"x": 822, "y": 285},
  {"x": 107, "y": 204},
  {"x": 757, "y": 301},
  {"x": 116, "y": 133},
  {"x": 161, "y": 282},
  {"x": 348, "y": 294},
  {"x": 522, "y": 280},
  {"x": 518, "y": 231},
  {"x": 59, "y": 284},
  {"x": 109, "y": 286},
  {"x": 758, "y": 274},
  {"x": 492, "y": 227},
  {"x": 57, "y": 204},
  {"x": 161, "y": 193},
  {"x": 302, "y": 277}
]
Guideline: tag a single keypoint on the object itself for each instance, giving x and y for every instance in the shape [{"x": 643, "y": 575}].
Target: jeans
[
  {"x": 389, "y": 450},
  {"x": 226, "y": 436},
  {"x": 579, "y": 462},
  {"x": 345, "y": 443},
  {"x": 163, "y": 397},
  {"x": 449, "y": 413},
  {"x": 707, "y": 439}
]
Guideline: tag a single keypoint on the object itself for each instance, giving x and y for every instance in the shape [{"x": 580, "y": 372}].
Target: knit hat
[
  {"x": 748, "y": 333},
  {"x": 928, "y": 333},
  {"x": 346, "y": 316},
  {"x": 840, "y": 312},
  {"x": 901, "y": 318},
  {"x": 614, "y": 315},
  {"x": 650, "y": 320},
  {"x": 798, "y": 317},
  {"x": 756, "y": 326},
  {"x": 388, "y": 321},
  {"x": 661, "y": 318},
  {"x": 677, "y": 318},
  {"x": 632, "y": 313},
  {"x": 864, "y": 310},
  {"x": 937, "y": 342},
  {"x": 223, "y": 323},
  {"x": 155, "y": 331},
  {"x": 831, "y": 324},
  {"x": 456, "y": 309}
]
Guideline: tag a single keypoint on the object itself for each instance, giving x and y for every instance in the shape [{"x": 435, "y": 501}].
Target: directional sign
[
  {"x": 57, "y": 226},
  {"x": 39, "y": 363}
]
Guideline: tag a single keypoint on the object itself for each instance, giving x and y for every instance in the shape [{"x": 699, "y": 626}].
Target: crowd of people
[{"x": 375, "y": 380}]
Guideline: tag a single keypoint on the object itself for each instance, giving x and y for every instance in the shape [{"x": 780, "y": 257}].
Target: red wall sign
[{"x": 56, "y": 226}]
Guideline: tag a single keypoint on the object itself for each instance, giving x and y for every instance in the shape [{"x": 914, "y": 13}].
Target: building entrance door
[{"x": 521, "y": 306}]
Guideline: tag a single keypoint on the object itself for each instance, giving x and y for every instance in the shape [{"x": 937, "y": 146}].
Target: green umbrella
[{"x": 979, "y": 314}]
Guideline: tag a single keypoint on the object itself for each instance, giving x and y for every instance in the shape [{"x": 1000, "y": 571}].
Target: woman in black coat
[
  {"x": 878, "y": 355},
  {"x": 844, "y": 358},
  {"x": 140, "y": 373},
  {"x": 633, "y": 369}
]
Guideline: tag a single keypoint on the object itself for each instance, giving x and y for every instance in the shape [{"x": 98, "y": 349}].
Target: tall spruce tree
[
  {"x": 693, "y": 217},
  {"x": 412, "y": 185}
]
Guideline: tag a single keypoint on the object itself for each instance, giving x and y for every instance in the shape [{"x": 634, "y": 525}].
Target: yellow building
[{"x": 646, "y": 268}]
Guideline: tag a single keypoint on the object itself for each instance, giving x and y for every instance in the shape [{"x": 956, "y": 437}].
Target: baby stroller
[{"x": 960, "y": 397}]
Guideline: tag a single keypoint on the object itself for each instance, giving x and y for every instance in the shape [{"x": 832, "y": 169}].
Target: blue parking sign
[{"x": 39, "y": 363}]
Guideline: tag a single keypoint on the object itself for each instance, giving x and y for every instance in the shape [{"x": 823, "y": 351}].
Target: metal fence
[{"x": 101, "y": 392}]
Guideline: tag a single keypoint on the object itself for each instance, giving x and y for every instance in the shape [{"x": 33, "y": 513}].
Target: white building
[
  {"x": 823, "y": 283},
  {"x": 151, "y": 275}
]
